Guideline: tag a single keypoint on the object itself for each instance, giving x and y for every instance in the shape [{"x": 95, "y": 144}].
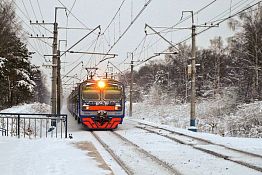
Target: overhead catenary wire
[
  {"x": 172, "y": 28},
  {"x": 111, "y": 21},
  {"x": 71, "y": 13},
  {"x": 92, "y": 43},
  {"x": 184, "y": 19},
  {"x": 189, "y": 37},
  {"x": 181, "y": 21},
  {"x": 93, "y": 51},
  {"x": 128, "y": 27},
  {"x": 229, "y": 10},
  {"x": 204, "y": 30},
  {"x": 98, "y": 27},
  {"x": 189, "y": 16},
  {"x": 142, "y": 42},
  {"x": 226, "y": 13},
  {"x": 231, "y": 16}
]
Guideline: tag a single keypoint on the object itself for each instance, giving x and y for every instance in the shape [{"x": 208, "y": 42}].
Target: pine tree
[{"x": 17, "y": 83}]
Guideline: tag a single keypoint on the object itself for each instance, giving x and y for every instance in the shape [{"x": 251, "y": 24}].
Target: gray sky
[{"x": 92, "y": 13}]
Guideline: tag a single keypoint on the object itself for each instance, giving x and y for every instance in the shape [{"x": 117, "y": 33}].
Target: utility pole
[
  {"x": 58, "y": 104},
  {"x": 131, "y": 86},
  {"x": 54, "y": 58},
  {"x": 54, "y": 67},
  {"x": 54, "y": 93},
  {"x": 193, "y": 76},
  {"x": 193, "y": 79}
]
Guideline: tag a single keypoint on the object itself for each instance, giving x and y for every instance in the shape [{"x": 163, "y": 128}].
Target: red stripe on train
[{"x": 112, "y": 124}]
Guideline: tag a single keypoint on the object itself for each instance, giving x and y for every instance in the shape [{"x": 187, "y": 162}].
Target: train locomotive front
[{"x": 98, "y": 104}]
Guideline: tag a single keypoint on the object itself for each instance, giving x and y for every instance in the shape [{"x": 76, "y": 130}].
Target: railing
[
  {"x": 3, "y": 131},
  {"x": 33, "y": 125}
]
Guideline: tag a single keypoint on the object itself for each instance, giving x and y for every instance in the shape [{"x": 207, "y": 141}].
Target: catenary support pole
[
  {"x": 193, "y": 79},
  {"x": 131, "y": 86},
  {"x": 54, "y": 69},
  {"x": 58, "y": 105}
]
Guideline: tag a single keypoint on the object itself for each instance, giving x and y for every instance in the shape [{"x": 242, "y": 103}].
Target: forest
[{"x": 20, "y": 80}]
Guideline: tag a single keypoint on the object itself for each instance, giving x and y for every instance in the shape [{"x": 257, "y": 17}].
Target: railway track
[
  {"x": 114, "y": 156},
  {"x": 132, "y": 158},
  {"x": 244, "y": 158}
]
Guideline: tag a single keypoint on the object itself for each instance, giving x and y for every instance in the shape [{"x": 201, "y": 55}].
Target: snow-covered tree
[{"x": 17, "y": 83}]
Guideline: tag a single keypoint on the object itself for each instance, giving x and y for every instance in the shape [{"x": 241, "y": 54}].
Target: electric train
[{"x": 98, "y": 104}]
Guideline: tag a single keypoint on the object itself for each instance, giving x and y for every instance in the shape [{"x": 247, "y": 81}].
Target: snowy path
[{"x": 46, "y": 156}]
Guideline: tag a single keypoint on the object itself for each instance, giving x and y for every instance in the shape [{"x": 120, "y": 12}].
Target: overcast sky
[{"x": 91, "y": 13}]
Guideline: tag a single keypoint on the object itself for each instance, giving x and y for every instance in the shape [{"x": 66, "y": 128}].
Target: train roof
[{"x": 91, "y": 81}]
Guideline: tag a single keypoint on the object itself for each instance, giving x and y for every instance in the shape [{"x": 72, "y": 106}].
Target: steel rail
[
  {"x": 114, "y": 156},
  {"x": 257, "y": 168},
  {"x": 154, "y": 158}
]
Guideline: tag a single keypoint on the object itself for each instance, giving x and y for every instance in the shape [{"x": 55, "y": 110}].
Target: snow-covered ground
[
  {"x": 85, "y": 155},
  {"x": 213, "y": 116},
  {"x": 48, "y": 156},
  {"x": 39, "y": 108}
]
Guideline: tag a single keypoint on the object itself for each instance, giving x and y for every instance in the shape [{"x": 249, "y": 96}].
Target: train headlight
[
  {"x": 85, "y": 107},
  {"x": 118, "y": 107},
  {"x": 101, "y": 84}
]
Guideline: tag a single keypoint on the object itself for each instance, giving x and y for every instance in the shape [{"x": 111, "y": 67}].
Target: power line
[
  {"x": 40, "y": 9},
  {"x": 42, "y": 17},
  {"x": 72, "y": 7},
  {"x": 28, "y": 42},
  {"x": 181, "y": 21},
  {"x": 188, "y": 17},
  {"x": 141, "y": 42},
  {"x": 70, "y": 12},
  {"x": 128, "y": 27},
  {"x": 26, "y": 10},
  {"x": 33, "y": 9},
  {"x": 122, "y": 3},
  {"x": 227, "y": 11},
  {"x": 223, "y": 20},
  {"x": 92, "y": 43},
  {"x": 39, "y": 45},
  {"x": 28, "y": 17},
  {"x": 204, "y": 30}
]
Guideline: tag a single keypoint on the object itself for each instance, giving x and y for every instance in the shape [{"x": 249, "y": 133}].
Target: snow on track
[
  {"x": 136, "y": 160},
  {"x": 184, "y": 158},
  {"x": 253, "y": 161}
]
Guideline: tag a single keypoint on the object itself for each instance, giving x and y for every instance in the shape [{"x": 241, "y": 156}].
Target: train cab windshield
[
  {"x": 91, "y": 95},
  {"x": 112, "y": 95}
]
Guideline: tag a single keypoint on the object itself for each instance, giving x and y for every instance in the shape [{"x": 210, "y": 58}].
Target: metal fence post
[
  {"x": 18, "y": 126},
  {"x": 65, "y": 126}
]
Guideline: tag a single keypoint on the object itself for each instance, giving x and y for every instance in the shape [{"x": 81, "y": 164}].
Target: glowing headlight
[{"x": 101, "y": 84}]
